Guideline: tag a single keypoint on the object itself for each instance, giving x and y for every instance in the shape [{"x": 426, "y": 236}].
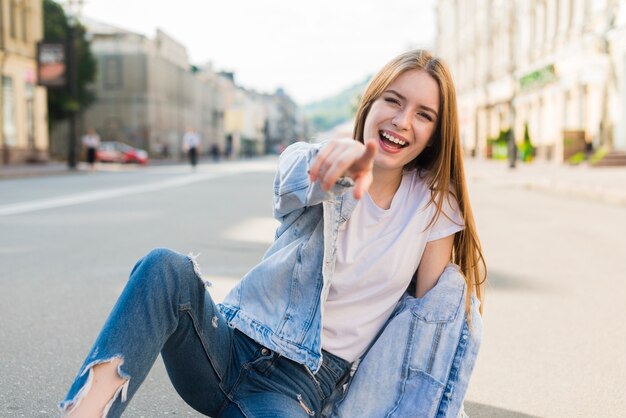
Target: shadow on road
[
  {"x": 500, "y": 280},
  {"x": 479, "y": 410}
]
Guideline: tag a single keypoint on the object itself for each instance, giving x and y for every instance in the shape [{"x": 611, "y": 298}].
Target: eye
[
  {"x": 425, "y": 115},
  {"x": 392, "y": 100}
]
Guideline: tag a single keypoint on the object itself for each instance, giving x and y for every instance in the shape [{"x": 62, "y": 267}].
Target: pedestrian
[
  {"x": 191, "y": 145},
  {"x": 215, "y": 152},
  {"x": 228, "y": 152},
  {"x": 91, "y": 142},
  {"x": 165, "y": 151},
  {"x": 511, "y": 147},
  {"x": 356, "y": 310}
]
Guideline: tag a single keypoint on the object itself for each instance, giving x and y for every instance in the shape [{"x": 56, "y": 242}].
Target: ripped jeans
[{"x": 216, "y": 369}]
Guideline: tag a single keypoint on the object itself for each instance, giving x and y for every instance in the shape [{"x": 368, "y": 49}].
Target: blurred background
[
  {"x": 547, "y": 76},
  {"x": 541, "y": 88}
]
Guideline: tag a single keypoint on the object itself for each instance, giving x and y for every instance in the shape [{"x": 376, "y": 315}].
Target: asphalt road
[{"x": 554, "y": 337}]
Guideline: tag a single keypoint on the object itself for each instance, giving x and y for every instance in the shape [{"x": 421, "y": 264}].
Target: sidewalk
[
  {"x": 601, "y": 184},
  {"x": 35, "y": 170},
  {"x": 59, "y": 168}
]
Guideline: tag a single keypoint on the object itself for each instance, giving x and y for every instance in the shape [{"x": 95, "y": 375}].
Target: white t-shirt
[
  {"x": 378, "y": 252},
  {"x": 190, "y": 140},
  {"x": 91, "y": 140}
]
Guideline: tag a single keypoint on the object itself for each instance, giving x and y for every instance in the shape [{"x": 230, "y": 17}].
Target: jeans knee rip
[
  {"x": 70, "y": 405},
  {"x": 196, "y": 268}
]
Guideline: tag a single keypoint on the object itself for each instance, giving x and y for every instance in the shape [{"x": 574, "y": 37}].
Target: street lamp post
[{"x": 73, "y": 8}]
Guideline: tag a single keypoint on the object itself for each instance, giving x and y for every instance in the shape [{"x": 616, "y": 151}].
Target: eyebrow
[{"x": 404, "y": 98}]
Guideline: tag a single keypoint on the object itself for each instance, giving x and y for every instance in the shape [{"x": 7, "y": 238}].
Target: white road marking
[
  {"x": 76, "y": 199},
  {"x": 220, "y": 170}
]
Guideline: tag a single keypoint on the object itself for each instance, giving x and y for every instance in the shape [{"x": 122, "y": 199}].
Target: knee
[
  {"x": 163, "y": 265},
  {"x": 162, "y": 256}
]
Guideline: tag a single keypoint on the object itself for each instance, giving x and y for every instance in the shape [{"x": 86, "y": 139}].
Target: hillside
[{"x": 332, "y": 111}]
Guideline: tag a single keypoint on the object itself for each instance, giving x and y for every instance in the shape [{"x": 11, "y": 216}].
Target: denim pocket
[{"x": 417, "y": 397}]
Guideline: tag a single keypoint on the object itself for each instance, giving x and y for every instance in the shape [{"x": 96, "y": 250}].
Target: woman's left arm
[{"x": 437, "y": 255}]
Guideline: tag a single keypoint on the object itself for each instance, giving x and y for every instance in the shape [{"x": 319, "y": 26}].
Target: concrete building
[
  {"x": 285, "y": 122},
  {"x": 235, "y": 105},
  {"x": 554, "y": 67},
  {"x": 254, "y": 115},
  {"x": 23, "y": 105},
  {"x": 148, "y": 94},
  {"x": 210, "y": 105},
  {"x": 257, "y": 123}
]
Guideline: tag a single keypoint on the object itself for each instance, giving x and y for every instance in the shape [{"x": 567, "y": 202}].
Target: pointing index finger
[{"x": 370, "y": 151}]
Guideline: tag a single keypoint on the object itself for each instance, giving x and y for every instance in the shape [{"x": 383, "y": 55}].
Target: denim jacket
[
  {"x": 279, "y": 303},
  {"x": 420, "y": 364}
]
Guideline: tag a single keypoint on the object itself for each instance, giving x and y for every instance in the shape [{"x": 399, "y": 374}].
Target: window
[
  {"x": 112, "y": 72},
  {"x": 25, "y": 12},
  {"x": 13, "y": 18}
]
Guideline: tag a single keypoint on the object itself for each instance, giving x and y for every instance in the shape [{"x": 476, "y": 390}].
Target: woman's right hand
[{"x": 345, "y": 158}]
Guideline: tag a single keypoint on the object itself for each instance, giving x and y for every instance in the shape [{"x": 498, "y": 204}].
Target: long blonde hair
[{"x": 442, "y": 159}]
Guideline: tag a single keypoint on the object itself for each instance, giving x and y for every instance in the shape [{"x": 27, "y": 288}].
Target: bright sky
[{"x": 311, "y": 49}]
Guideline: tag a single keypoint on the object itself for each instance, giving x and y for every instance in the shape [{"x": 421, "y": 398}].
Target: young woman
[{"x": 355, "y": 310}]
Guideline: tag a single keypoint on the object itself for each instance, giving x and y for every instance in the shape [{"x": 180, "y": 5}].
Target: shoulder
[
  {"x": 302, "y": 146},
  {"x": 431, "y": 202},
  {"x": 424, "y": 182},
  {"x": 298, "y": 149}
]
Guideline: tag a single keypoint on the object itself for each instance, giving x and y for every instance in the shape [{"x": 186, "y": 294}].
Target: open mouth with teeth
[{"x": 391, "y": 142}]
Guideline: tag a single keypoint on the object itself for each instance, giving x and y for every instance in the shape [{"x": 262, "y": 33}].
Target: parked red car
[{"x": 119, "y": 152}]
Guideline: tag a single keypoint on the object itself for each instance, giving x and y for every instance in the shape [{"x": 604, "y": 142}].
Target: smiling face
[{"x": 402, "y": 119}]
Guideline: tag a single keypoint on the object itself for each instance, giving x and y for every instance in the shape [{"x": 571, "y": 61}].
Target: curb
[
  {"x": 18, "y": 173},
  {"x": 56, "y": 168}
]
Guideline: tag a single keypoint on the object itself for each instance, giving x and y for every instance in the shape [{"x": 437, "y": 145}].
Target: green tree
[
  {"x": 334, "y": 110},
  {"x": 56, "y": 28}
]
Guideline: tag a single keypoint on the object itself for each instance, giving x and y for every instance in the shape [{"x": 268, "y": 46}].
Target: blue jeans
[{"x": 216, "y": 369}]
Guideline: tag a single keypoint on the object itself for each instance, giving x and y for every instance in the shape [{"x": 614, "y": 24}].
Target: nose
[{"x": 402, "y": 120}]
